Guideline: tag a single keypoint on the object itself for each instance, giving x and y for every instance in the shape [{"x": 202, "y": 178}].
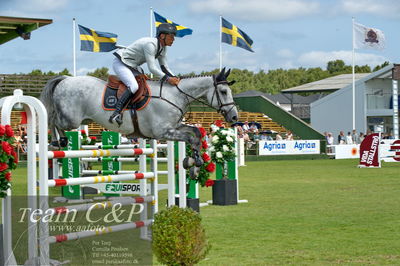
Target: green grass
[
  {"x": 317, "y": 212},
  {"x": 308, "y": 212}
]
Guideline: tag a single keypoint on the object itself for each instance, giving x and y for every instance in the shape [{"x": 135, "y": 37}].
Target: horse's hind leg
[
  {"x": 55, "y": 143},
  {"x": 63, "y": 138}
]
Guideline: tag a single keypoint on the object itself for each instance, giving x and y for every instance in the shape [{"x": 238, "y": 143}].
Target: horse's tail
[{"x": 47, "y": 97}]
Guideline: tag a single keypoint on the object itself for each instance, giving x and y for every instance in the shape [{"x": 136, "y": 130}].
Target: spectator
[
  {"x": 341, "y": 138},
  {"x": 289, "y": 135},
  {"x": 246, "y": 127},
  {"x": 253, "y": 128},
  {"x": 361, "y": 137},
  {"x": 265, "y": 136},
  {"x": 354, "y": 137},
  {"x": 278, "y": 137},
  {"x": 240, "y": 131},
  {"x": 20, "y": 142},
  {"x": 349, "y": 139},
  {"x": 329, "y": 138}
]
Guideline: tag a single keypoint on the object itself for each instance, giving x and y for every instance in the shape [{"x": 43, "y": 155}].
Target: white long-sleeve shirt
[{"x": 142, "y": 51}]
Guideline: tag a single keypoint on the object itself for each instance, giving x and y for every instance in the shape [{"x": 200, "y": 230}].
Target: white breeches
[{"x": 125, "y": 75}]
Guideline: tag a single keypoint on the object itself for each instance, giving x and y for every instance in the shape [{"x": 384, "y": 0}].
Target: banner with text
[
  {"x": 288, "y": 147},
  {"x": 369, "y": 151}
]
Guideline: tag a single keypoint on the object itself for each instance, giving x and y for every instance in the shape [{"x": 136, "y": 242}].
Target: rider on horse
[{"x": 145, "y": 50}]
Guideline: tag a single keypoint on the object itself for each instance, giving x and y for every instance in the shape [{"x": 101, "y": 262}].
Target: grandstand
[{"x": 205, "y": 118}]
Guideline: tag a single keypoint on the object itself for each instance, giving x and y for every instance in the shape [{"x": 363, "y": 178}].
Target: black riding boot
[{"x": 117, "y": 116}]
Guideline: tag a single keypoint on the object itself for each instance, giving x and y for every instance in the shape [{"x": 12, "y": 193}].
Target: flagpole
[
  {"x": 151, "y": 21},
  {"x": 220, "y": 42},
  {"x": 151, "y": 30},
  {"x": 354, "y": 80},
  {"x": 73, "y": 46}
]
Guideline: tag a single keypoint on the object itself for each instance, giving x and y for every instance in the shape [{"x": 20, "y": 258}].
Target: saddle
[{"x": 115, "y": 88}]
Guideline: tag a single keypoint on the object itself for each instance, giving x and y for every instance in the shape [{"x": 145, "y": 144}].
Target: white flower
[
  {"x": 229, "y": 139},
  {"x": 211, "y": 149},
  {"x": 214, "y": 128},
  {"x": 215, "y": 139},
  {"x": 225, "y": 148},
  {"x": 224, "y": 132},
  {"x": 231, "y": 132},
  {"x": 218, "y": 154}
]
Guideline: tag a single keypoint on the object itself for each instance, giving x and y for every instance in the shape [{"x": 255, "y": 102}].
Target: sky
[{"x": 286, "y": 33}]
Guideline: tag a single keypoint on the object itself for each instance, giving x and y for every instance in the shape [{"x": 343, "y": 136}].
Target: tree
[
  {"x": 64, "y": 72},
  {"x": 101, "y": 73},
  {"x": 386, "y": 63},
  {"x": 335, "y": 66}
]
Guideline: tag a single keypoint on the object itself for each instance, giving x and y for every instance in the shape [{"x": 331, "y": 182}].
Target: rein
[{"x": 216, "y": 93}]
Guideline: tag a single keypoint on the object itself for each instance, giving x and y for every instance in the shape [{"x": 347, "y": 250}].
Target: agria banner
[{"x": 288, "y": 147}]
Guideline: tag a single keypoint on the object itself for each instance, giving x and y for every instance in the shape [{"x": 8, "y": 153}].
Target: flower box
[
  {"x": 224, "y": 192},
  {"x": 194, "y": 204}
]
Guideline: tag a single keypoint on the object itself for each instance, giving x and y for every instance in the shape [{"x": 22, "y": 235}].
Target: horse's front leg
[{"x": 190, "y": 135}]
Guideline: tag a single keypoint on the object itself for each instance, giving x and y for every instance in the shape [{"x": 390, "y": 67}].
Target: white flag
[{"x": 368, "y": 38}]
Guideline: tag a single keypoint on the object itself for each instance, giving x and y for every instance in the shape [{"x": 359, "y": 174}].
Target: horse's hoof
[
  {"x": 198, "y": 162},
  {"x": 53, "y": 147},
  {"x": 194, "y": 173},
  {"x": 188, "y": 162},
  {"x": 63, "y": 142}
]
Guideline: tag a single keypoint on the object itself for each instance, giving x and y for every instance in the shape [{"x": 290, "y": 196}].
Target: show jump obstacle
[{"x": 38, "y": 251}]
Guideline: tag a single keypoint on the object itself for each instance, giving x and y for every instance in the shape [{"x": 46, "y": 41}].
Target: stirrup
[{"x": 117, "y": 118}]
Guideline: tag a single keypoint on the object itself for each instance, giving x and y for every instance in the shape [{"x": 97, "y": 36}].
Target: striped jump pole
[
  {"x": 98, "y": 179},
  {"x": 105, "y": 230},
  {"x": 117, "y": 172},
  {"x": 106, "y": 159},
  {"x": 118, "y": 147},
  {"x": 110, "y": 146},
  {"x": 98, "y": 153},
  {"x": 101, "y": 205}
]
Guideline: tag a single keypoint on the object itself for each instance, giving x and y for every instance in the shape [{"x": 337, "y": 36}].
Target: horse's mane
[{"x": 187, "y": 77}]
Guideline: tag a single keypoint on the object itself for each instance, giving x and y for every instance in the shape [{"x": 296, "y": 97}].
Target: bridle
[{"x": 218, "y": 96}]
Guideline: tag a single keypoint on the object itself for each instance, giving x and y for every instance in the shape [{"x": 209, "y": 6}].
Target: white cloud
[
  {"x": 285, "y": 53},
  {"x": 257, "y": 10},
  {"x": 320, "y": 58},
  {"x": 384, "y": 8},
  {"x": 32, "y": 7},
  {"x": 84, "y": 70}
]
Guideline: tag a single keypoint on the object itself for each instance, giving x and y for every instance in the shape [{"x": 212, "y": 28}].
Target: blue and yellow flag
[
  {"x": 234, "y": 36},
  {"x": 97, "y": 41},
  {"x": 180, "y": 30}
]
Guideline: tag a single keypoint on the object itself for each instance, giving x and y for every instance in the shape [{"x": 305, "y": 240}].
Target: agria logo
[
  {"x": 304, "y": 145},
  {"x": 274, "y": 146}
]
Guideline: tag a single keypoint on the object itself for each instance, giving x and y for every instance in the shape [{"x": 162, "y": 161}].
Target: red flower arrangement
[
  {"x": 204, "y": 145},
  {"x": 206, "y": 157},
  {"x": 86, "y": 140},
  {"x": 208, "y": 167},
  {"x": 203, "y": 132},
  {"x": 8, "y": 158},
  {"x": 209, "y": 183}
]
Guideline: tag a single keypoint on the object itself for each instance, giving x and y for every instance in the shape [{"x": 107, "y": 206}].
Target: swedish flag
[
  {"x": 97, "y": 41},
  {"x": 234, "y": 36},
  {"x": 180, "y": 30}
]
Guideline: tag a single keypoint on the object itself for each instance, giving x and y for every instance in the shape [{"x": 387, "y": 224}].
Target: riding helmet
[{"x": 166, "y": 28}]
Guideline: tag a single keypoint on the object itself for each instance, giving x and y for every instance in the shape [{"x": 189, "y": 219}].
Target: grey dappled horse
[{"x": 73, "y": 101}]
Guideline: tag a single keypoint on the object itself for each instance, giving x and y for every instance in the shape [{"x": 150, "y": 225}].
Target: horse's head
[{"x": 220, "y": 96}]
